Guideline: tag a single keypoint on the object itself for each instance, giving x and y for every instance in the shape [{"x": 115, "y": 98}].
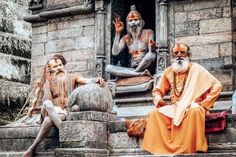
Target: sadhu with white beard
[
  {"x": 179, "y": 127},
  {"x": 55, "y": 97}
]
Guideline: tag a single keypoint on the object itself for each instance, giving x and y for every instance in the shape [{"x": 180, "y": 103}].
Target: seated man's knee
[
  {"x": 108, "y": 68},
  {"x": 47, "y": 121},
  {"x": 196, "y": 110},
  {"x": 150, "y": 56},
  {"x": 47, "y": 104}
]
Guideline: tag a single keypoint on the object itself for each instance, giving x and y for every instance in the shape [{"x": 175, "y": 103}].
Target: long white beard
[{"x": 180, "y": 65}]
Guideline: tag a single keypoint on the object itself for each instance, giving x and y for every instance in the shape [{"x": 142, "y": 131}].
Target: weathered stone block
[
  {"x": 91, "y": 116},
  {"x": 203, "y": 39},
  {"x": 39, "y": 30},
  {"x": 39, "y": 38},
  {"x": 215, "y": 25},
  {"x": 58, "y": 4},
  {"x": 16, "y": 68},
  {"x": 89, "y": 30},
  {"x": 227, "y": 136},
  {"x": 122, "y": 140},
  {"x": 76, "y": 66},
  {"x": 226, "y": 12},
  {"x": 21, "y": 137},
  {"x": 12, "y": 95},
  {"x": 205, "y": 14},
  {"x": 226, "y": 49},
  {"x": 180, "y": 17},
  {"x": 76, "y": 23},
  {"x": 77, "y": 134},
  {"x": 39, "y": 60},
  {"x": 187, "y": 28},
  {"x": 60, "y": 45},
  {"x": 66, "y": 33},
  {"x": 6, "y": 25},
  {"x": 14, "y": 45},
  {"x": 79, "y": 55},
  {"x": 225, "y": 78},
  {"x": 205, "y": 51},
  {"x": 211, "y": 64},
  {"x": 178, "y": 8},
  {"x": 196, "y": 5},
  {"x": 85, "y": 42},
  {"x": 38, "y": 49}
]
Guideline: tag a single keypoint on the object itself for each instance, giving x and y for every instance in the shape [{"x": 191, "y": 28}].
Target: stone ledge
[
  {"x": 21, "y": 132},
  {"x": 81, "y": 152},
  {"x": 14, "y": 45},
  {"x": 91, "y": 116},
  {"x": 46, "y": 15}
]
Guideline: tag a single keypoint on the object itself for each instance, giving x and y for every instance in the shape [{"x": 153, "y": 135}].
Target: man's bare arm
[{"x": 81, "y": 80}]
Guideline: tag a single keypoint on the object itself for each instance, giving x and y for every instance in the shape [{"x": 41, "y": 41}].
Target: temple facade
[{"x": 82, "y": 30}]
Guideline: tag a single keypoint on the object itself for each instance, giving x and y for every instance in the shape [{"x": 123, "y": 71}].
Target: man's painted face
[
  {"x": 180, "y": 51},
  {"x": 180, "y": 58},
  {"x": 56, "y": 66},
  {"x": 133, "y": 20}
]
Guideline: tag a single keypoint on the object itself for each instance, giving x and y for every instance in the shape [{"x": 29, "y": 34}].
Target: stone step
[
  {"x": 142, "y": 111},
  {"x": 138, "y": 152},
  {"x": 147, "y": 100},
  {"x": 184, "y": 155},
  {"x": 19, "y": 138},
  {"x": 121, "y": 144},
  {"x": 19, "y": 154}
]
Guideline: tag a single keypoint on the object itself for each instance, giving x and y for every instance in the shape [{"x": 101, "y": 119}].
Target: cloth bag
[{"x": 215, "y": 121}]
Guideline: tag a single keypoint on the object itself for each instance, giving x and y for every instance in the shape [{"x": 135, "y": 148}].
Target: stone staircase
[
  {"x": 15, "y": 139},
  {"x": 120, "y": 144}
]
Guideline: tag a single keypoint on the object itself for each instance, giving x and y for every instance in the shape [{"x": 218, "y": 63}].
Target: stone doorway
[{"x": 121, "y": 8}]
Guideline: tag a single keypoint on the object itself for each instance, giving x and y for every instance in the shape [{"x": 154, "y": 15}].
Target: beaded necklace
[{"x": 176, "y": 92}]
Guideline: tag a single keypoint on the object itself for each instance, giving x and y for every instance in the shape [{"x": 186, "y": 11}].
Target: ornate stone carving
[{"x": 35, "y": 4}]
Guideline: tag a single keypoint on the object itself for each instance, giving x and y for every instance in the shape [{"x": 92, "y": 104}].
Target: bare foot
[
  {"x": 29, "y": 153},
  {"x": 40, "y": 121}
]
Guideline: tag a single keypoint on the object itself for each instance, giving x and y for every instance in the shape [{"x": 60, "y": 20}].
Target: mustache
[
  {"x": 179, "y": 58},
  {"x": 60, "y": 71}
]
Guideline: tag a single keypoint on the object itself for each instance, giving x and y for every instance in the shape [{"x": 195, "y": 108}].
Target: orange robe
[{"x": 180, "y": 128}]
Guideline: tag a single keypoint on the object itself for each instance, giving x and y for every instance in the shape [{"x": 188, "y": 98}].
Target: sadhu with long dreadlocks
[{"x": 55, "y": 97}]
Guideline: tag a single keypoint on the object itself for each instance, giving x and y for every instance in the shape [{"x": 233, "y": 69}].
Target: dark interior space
[{"x": 121, "y": 8}]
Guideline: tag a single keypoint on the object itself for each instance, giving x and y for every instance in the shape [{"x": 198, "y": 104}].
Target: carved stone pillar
[
  {"x": 163, "y": 55},
  {"x": 100, "y": 37}
]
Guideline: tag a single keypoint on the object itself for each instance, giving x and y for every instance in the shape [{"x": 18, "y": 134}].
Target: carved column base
[{"x": 162, "y": 60}]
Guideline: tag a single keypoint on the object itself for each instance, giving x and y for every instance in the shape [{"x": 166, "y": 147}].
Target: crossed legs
[{"x": 53, "y": 118}]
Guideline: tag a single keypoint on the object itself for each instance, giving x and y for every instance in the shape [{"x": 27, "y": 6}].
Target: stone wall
[
  {"x": 72, "y": 37},
  {"x": 206, "y": 27},
  {"x": 15, "y": 49}
]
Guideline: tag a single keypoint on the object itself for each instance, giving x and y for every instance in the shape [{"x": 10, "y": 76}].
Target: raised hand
[
  {"x": 100, "y": 81},
  {"x": 119, "y": 26}
]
